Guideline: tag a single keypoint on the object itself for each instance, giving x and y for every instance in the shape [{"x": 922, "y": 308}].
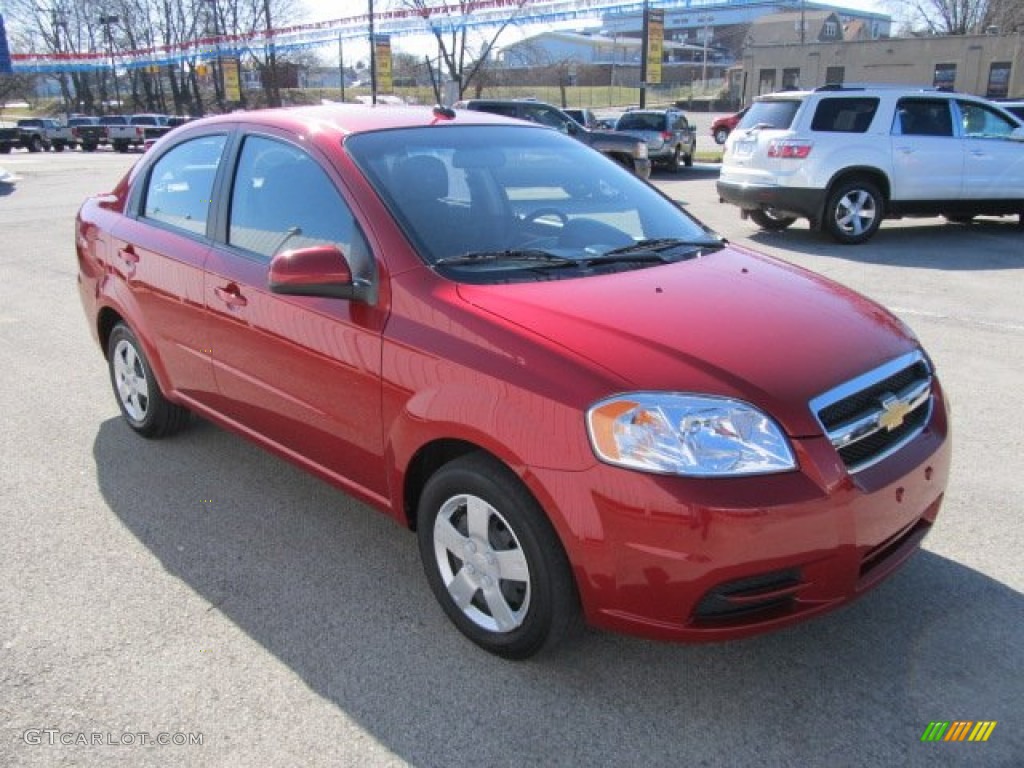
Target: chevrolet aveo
[{"x": 584, "y": 402}]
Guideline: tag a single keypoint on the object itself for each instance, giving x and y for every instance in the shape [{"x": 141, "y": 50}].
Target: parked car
[
  {"x": 847, "y": 156},
  {"x": 580, "y": 398},
  {"x": 1014, "y": 107},
  {"x": 671, "y": 140},
  {"x": 721, "y": 127},
  {"x": 631, "y": 153}
]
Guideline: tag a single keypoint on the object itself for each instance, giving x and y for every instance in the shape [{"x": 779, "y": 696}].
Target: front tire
[
  {"x": 854, "y": 211},
  {"x": 721, "y": 135},
  {"x": 493, "y": 559},
  {"x": 138, "y": 394},
  {"x": 771, "y": 220}
]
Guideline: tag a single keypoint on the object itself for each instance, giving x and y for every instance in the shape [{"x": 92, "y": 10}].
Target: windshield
[
  {"x": 770, "y": 114},
  {"x": 500, "y": 203}
]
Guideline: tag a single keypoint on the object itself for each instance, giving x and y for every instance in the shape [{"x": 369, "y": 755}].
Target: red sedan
[{"x": 583, "y": 401}]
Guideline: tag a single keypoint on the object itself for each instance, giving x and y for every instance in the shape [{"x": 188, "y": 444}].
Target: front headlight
[{"x": 684, "y": 434}]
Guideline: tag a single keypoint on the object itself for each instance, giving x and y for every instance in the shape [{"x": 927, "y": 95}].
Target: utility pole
[
  {"x": 106, "y": 20},
  {"x": 373, "y": 59},
  {"x": 643, "y": 57},
  {"x": 341, "y": 67}
]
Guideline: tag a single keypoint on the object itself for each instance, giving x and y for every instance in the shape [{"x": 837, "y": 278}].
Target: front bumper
[
  {"x": 697, "y": 559},
  {"x": 793, "y": 201}
]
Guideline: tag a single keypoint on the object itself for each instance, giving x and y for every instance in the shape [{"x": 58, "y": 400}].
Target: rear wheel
[
  {"x": 493, "y": 560},
  {"x": 35, "y": 144},
  {"x": 721, "y": 135},
  {"x": 854, "y": 211},
  {"x": 138, "y": 394},
  {"x": 677, "y": 160},
  {"x": 770, "y": 219}
]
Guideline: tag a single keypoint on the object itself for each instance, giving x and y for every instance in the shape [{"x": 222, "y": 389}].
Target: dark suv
[
  {"x": 671, "y": 140},
  {"x": 623, "y": 149}
]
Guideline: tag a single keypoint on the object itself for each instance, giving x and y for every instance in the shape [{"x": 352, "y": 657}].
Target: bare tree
[
  {"x": 455, "y": 46},
  {"x": 944, "y": 17}
]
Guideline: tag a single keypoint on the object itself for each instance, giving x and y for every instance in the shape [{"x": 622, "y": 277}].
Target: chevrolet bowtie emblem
[{"x": 894, "y": 411}]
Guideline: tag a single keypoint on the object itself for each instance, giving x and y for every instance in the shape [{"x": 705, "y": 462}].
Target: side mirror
[{"x": 321, "y": 270}]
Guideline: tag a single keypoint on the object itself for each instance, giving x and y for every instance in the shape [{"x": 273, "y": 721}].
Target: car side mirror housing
[{"x": 320, "y": 270}]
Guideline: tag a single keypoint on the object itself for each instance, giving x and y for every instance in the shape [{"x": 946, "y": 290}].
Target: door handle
[
  {"x": 231, "y": 295},
  {"x": 128, "y": 258}
]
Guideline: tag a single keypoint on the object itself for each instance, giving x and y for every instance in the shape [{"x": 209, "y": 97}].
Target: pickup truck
[
  {"x": 626, "y": 150},
  {"x": 9, "y": 138},
  {"x": 68, "y": 135},
  {"x": 134, "y": 131},
  {"x": 36, "y": 133}
]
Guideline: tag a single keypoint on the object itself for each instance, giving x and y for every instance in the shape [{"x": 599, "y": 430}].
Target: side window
[
  {"x": 844, "y": 115},
  {"x": 282, "y": 199},
  {"x": 980, "y": 122},
  {"x": 923, "y": 117},
  {"x": 547, "y": 117},
  {"x": 180, "y": 184}
]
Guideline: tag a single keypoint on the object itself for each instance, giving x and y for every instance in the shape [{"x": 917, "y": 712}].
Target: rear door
[
  {"x": 161, "y": 254},
  {"x": 927, "y": 154}
]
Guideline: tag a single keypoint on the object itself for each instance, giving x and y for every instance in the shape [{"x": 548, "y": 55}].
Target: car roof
[{"x": 347, "y": 119}]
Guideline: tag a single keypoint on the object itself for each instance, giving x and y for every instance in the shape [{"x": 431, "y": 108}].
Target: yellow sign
[
  {"x": 382, "y": 51},
  {"x": 655, "y": 44},
  {"x": 232, "y": 81}
]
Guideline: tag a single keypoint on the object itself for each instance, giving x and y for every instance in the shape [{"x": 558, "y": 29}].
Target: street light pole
[{"x": 106, "y": 20}]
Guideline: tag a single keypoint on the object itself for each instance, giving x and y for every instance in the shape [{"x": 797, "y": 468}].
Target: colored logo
[{"x": 958, "y": 730}]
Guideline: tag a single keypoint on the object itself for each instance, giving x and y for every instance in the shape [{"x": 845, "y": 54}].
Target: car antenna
[{"x": 440, "y": 110}]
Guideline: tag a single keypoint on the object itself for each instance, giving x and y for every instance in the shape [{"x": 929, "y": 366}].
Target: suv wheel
[
  {"x": 677, "y": 160},
  {"x": 770, "y": 219},
  {"x": 854, "y": 211}
]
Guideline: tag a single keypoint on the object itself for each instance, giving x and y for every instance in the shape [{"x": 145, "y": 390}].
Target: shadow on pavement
[{"x": 335, "y": 591}]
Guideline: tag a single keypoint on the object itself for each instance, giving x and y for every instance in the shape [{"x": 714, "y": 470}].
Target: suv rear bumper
[{"x": 795, "y": 201}]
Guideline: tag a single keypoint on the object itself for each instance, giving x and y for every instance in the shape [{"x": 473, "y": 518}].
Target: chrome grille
[{"x": 874, "y": 415}]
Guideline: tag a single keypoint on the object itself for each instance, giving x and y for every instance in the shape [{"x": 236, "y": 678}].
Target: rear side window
[
  {"x": 844, "y": 115},
  {"x": 181, "y": 184},
  {"x": 771, "y": 114}
]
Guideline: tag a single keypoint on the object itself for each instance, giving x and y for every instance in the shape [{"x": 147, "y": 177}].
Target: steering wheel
[{"x": 540, "y": 213}]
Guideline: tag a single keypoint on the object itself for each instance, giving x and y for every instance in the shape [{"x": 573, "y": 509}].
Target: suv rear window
[
  {"x": 844, "y": 115},
  {"x": 770, "y": 114}
]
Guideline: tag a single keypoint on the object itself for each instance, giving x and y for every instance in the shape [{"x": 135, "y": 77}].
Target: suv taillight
[
  {"x": 789, "y": 149},
  {"x": 666, "y": 135}
]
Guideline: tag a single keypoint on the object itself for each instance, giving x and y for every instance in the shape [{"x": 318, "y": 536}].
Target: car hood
[{"x": 733, "y": 323}]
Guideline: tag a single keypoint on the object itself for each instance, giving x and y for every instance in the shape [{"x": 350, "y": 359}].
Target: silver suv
[
  {"x": 845, "y": 157},
  {"x": 671, "y": 140}
]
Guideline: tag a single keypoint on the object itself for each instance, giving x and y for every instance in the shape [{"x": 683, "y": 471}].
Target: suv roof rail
[{"x": 875, "y": 87}]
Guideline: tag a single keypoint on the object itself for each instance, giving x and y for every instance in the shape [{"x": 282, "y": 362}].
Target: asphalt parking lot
[{"x": 201, "y": 589}]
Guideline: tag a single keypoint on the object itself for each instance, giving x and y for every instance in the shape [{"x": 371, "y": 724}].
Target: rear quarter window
[
  {"x": 844, "y": 115},
  {"x": 771, "y": 114}
]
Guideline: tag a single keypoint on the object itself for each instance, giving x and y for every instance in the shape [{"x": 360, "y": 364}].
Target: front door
[{"x": 301, "y": 372}]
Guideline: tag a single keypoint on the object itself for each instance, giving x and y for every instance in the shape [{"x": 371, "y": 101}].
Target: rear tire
[
  {"x": 136, "y": 390},
  {"x": 721, "y": 135},
  {"x": 493, "y": 560},
  {"x": 854, "y": 211},
  {"x": 35, "y": 144},
  {"x": 769, "y": 219}
]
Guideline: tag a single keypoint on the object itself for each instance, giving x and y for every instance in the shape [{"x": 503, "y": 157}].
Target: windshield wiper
[
  {"x": 482, "y": 257},
  {"x": 657, "y": 249}
]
